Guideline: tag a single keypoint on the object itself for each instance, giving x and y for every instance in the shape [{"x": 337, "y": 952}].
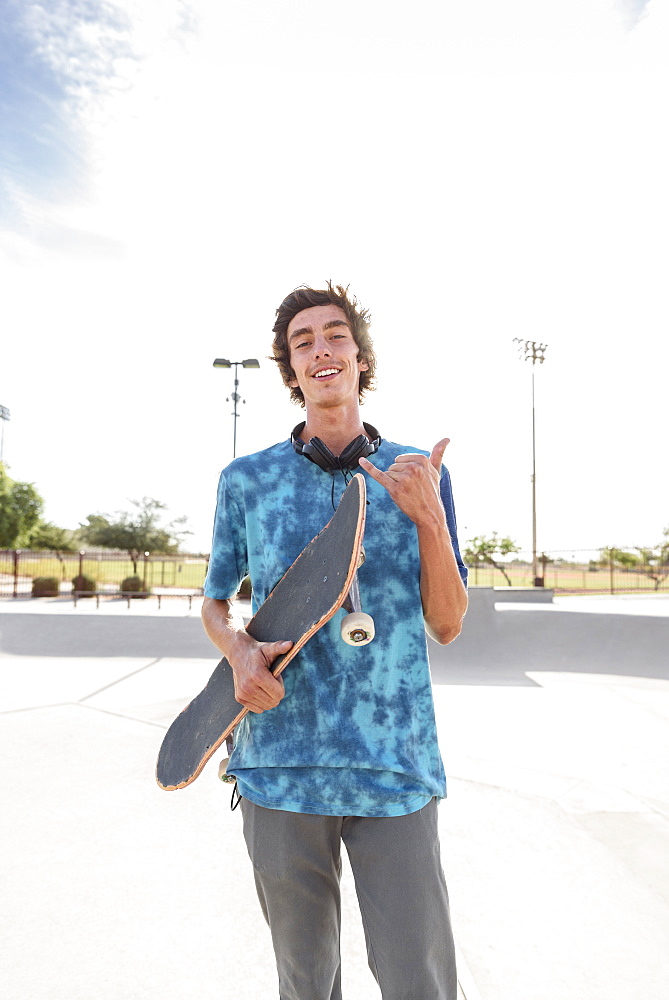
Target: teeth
[{"x": 327, "y": 371}]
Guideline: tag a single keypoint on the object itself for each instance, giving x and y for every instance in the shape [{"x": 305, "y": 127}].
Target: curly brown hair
[{"x": 303, "y": 298}]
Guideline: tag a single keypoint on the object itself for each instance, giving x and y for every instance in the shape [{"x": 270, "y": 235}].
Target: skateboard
[{"x": 322, "y": 580}]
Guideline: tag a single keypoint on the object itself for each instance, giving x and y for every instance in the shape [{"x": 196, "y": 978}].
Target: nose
[{"x": 321, "y": 348}]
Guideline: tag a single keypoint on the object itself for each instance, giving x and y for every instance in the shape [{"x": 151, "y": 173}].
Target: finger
[
  {"x": 273, "y": 649},
  {"x": 262, "y": 701},
  {"x": 437, "y": 455},
  {"x": 399, "y": 471},
  {"x": 375, "y": 473},
  {"x": 410, "y": 456},
  {"x": 268, "y": 685},
  {"x": 264, "y": 693},
  {"x": 256, "y": 687}
]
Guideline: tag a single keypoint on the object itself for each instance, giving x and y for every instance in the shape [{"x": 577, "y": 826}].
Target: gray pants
[{"x": 401, "y": 890}]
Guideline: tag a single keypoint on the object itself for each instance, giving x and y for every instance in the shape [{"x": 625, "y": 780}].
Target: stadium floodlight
[
  {"x": 236, "y": 398},
  {"x": 530, "y": 350},
  {"x": 4, "y": 416}
]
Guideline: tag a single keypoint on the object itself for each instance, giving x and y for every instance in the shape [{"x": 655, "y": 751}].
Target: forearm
[
  {"x": 442, "y": 591},
  {"x": 255, "y": 686},
  {"x": 225, "y": 627}
]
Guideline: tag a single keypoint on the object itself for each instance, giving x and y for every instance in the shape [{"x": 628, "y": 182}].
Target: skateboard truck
[
  {"x": 223, "y": 766},
  {"x": 357, "y": 628},
  {"x": 229, "y": 779}
]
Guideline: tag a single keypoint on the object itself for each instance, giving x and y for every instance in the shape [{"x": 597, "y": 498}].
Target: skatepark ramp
[{"x": 507, "y": 633}]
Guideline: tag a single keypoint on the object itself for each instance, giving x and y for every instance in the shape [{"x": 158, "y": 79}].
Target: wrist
[
  {"x": 235, "y": 643},
  {"x": 432, "y": 521}
]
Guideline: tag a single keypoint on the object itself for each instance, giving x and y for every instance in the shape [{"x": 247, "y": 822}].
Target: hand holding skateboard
[{"x": 256, "y": 687}]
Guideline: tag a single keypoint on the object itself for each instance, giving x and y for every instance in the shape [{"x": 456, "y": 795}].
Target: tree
[
  {"x": 618, "y": 557},
  {"x": 20, "y": 511},
  {"x": 655, "y": 562},
  {"x": 481, "y": 550},
  {"x": 49, "y": 536},
  {"x": 135, "y": 531},
  {"x": 652, "y": 562}
]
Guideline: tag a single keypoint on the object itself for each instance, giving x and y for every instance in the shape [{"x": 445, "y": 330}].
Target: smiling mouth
[{"x": 325, "y": 372}]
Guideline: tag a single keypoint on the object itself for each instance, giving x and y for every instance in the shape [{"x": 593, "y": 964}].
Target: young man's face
[{"x": 324, "y": 356}]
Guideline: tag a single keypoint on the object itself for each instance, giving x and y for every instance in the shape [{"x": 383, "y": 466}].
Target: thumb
[
  {"x": 437, "y": 455},
  {"x": 280, "y": 647},
  {"x": 274, "y": 649}
]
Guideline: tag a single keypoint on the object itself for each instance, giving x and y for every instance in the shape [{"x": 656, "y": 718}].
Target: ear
[
  {"x": 362, "y": 365},
  {"x": 292, "y": 383}
]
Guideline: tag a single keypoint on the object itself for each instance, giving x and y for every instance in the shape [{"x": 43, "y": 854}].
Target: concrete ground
[{"x": 554, "y": 724}]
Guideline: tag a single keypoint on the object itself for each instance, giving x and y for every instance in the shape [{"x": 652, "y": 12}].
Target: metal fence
[
  {"x": 573, "y": 571},
  {"x": 171, "y": 574}
]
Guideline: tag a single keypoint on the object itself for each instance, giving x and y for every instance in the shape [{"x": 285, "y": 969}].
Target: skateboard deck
[{"x": 322, "y": 579}]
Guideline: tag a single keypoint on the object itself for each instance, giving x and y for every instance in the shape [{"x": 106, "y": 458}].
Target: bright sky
[{"x": 170, "y": 169}]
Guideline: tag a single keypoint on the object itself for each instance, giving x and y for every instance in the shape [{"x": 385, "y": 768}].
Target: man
[{"x": 344, "y": 745}]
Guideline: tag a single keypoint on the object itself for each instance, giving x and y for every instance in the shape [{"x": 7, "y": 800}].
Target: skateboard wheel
[
  {"x": 357, "y": 629},
  {"x": 223, "y": 772}
]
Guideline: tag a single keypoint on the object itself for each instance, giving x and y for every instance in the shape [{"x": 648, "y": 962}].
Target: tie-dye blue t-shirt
[{"x": 355, "y": 733}]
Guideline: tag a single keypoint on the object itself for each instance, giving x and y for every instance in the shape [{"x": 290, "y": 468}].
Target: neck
[{"x": 335, "y": 426}]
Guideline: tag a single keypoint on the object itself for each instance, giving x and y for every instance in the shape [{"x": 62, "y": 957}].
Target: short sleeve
[
  {"x": 446, "y": 493},
  {"x": 228, "y": 564}
]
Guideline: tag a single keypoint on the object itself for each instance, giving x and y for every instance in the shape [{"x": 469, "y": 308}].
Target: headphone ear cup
[
  {"x": 295, "y": 440},
  {"x": 319, "y": 453},
  {"x": 358, "y": 448}
]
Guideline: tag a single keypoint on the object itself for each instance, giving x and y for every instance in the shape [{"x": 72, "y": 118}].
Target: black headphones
[{"x": 318, "y": 452}]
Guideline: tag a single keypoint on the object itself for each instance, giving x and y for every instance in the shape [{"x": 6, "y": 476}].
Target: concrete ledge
[
  {"x": 485, "y": 598},
  {"x": 524, "y": 595}
]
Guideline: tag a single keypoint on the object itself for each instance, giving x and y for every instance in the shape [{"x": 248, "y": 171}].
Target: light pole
[
  {"x": 530, "y": 350},
  {"x": 236, "y": 398},
  {"x": 4, "y": 416}
]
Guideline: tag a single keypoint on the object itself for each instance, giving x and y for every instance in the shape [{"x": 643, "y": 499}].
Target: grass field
[
  {"x": 568, "y": 577},
  {"x": 188, "y": 573}
]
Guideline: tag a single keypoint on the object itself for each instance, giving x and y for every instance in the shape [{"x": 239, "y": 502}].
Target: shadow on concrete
[
  {"x": 498, "y": 647},
  {"x": 58, "y": 635}
]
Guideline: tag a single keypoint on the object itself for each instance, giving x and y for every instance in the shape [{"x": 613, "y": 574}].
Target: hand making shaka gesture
[{"x": 413, "y": 483}]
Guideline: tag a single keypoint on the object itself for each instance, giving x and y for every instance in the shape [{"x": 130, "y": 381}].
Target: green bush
[
  {"x": 245, "y": 587},
  {"x": 84, "y": 585},
  {"x": 46, "y": 586},
  {"x": 134, "y": 585}
]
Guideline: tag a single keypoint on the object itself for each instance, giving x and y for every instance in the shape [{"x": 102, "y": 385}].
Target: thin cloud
[
  {"x": 63, "y": 64},
  {"x": 633, "y": 11},
  {"x": 56, "y": 60},
  {"x": 79, "y": 42}
]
